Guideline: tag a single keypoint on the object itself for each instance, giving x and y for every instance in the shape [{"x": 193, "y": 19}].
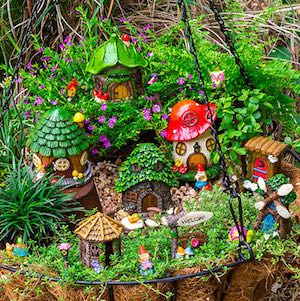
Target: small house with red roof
[{"x": 189, "y": 130}]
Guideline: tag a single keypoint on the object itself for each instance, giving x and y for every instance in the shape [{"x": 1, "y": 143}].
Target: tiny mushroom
[
  {"x": 180, "y": 252},
  {"x": 189, "y": 251},
  {"x": 126, "y": 39},
  {"x": 152, "y": 211}
]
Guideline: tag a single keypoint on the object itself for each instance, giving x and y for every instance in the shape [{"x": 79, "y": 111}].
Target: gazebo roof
[
  {"x": 265, "y": 146},
  {"x": 99, "y": 228},
  {"x": 57, "y": 135},
  {"x": 112, "y": 52}
]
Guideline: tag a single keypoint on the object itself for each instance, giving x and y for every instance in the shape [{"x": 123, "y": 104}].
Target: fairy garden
[{"x": 149, "y": 160}]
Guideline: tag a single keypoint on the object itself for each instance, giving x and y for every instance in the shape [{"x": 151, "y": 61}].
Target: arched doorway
[
  {"x": 194, "y": 160},
  {"x": 150, "y": 200},
  {"x": 121, "y": 91}
]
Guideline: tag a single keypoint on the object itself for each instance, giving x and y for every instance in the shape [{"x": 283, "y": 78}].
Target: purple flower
[
  {"x": 153, "y": 79},
  {"x": 180, "y": 81},
  {"x": 101, "y": 119},
  {"x": 189, "y": 76},
  {"x": 201, "y": 92},
  {"x": 156, "y": 108},
  {"x": 68, "y": 60},
  {"x": 18, "y": 80},
  {"x": 38, "y": 100},
  {"x": 147, "y": 114},
  {"x": 180, "y": 90},
  {"x": 87, "y": 121},
  {"x": 26, "y": 101},
  {"x": 163, "y": 62},
  {"x": 163, "y": 133},
  {"x": 140, "y": 34},
  {"x": 147, "y": 27},
  {"x": 107, "y": 144},
  {"x": 103, "y": 106},
  {"x": 45, "y": 59},
  {"x": 53, "y": 69},
  {"x": 123, "y": 20},
  {"x": 149, "y": 54},
  {"x": 68, "y": 41},
  {"x": 32, "y": 73},
  {"x": 112, "y": 121},
  {"x": 29, "y": 65},
  {"x": 90, "y": 128},
  {"x": 41, "y": 50},
  {"x": 94, "y": 151},
  {"x": 103, "y": 138},
  {"x": 63, "y": 91},
  {"x": 134, "y": 40},
  {"x": 42, "y": 86},
  {"x": 165, "y": 116},
  {"x": 144, "y": 40},
  {"x": 27, "y": 114},
  {"x": 54, "y": 102},
  {"x": 138, "y": 49},
  {"x": 62, "y": 47}
]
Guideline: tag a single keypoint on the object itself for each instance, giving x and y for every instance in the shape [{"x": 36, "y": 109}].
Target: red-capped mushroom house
[{"x": 189, "y": 130}]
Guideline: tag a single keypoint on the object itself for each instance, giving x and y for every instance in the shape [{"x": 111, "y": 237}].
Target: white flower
[{"x": 272, "y": 159}]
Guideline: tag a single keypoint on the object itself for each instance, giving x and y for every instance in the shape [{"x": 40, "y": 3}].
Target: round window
[
  {"x": 180, "y": 148},
  {"x": 84, "y": 158},
  {"x": 136, "y": 168},
  {"x": 210, "y": 144},
  {"x": 190, "y": 118},
  {"x": 61, "y": 164},
  {"x": 36, "y": 160},
  {"x": 159, "y": 166}
]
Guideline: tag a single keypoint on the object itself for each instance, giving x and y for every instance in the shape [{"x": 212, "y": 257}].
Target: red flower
[
  {"x": 175, "y": 168},
  {"x": 53, "y": 181}
]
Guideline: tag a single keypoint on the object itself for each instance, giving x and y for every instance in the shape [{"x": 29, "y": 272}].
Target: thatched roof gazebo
[{"x": 98, "y": 228}]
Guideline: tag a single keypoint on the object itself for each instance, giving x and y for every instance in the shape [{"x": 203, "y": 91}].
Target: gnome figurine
[
  {"x": 146, "y": 268},
  {"x": 201, "y": 179}
]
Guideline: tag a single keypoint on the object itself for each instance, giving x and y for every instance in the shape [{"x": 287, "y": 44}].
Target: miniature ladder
[{"x": 233, "y": 194}]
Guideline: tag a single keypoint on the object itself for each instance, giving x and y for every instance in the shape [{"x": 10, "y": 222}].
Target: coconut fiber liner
[
  {"x": 142, "y": 292},
  {"x": 198, "y": 288},
  {"x": 21, "y": 288}
]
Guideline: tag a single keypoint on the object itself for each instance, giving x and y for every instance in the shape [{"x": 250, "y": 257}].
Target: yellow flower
[
  {"x": 80, "y": 175},
  {"x": 178, "y": 162},
  {"x": 75, "y": 173}
]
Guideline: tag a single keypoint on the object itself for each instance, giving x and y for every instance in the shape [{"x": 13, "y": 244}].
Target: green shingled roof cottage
[
  {"x": 117, "y": 65},
  {"x": 58, "y": 141}
]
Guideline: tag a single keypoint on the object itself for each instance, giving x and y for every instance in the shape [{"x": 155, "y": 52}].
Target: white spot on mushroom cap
[{"x": 174, "y": 131}]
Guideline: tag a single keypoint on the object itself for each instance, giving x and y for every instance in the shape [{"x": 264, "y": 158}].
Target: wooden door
[
  {"x": 149, "y": 200},
  {"x": 121, "y": 91},
  {"x": 194, "y": 160},
  {"x": 260, "y": 168}
]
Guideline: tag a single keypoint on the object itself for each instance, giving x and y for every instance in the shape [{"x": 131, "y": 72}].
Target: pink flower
[
  {"x": 41, "y": 50},
  {"x": 147, "y": 114},
  {"x": 27, "y": 114},
  {"x": 107, "y": 144},
  {"x": 149, "y": 54},
  {"x": 90, "y": 128},
  {"x": 195, "y": 243},
  {"x": 64, "y": 246},
  {"x": 190, "y": 76},
  {"x": 147, "y": 27},
  {"x": 101, "y": 119},
  {"x": 153, "y": 79},
  {"x": 54, "y": 102},
  {"x": 180, "y": 81},
  {"x": 29, "y": 65},
  {"x": 123, "y": 20},
  {"x": 62, "y": 47},
  {"x": 38, "y": 100},
  {"x": 103, "y": 107},
  {"x": 94, "y": 151},
  {"x": 183, "y": 169}
]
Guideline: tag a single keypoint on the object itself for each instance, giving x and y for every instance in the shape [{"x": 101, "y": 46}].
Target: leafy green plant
[{"x": 31, "y": 209}]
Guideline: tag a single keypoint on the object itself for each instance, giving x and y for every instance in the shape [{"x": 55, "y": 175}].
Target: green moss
[
  {"x": 56, "y": 135},
  {"x": 146, "y": 157},
  {"x": 113, "y": 52}
]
